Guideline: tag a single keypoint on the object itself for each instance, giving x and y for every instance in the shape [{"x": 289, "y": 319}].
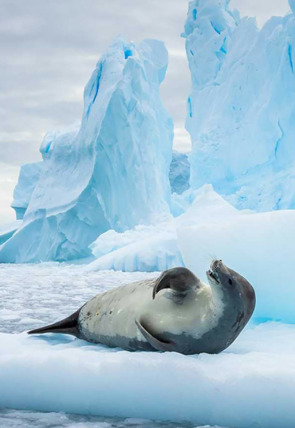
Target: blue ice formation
[
  {"x": 179, "y": 174},
  {"x": 28, "y": 178},
  {"x": 110, "y": 174},
  {"x": 241, "y": 110}
]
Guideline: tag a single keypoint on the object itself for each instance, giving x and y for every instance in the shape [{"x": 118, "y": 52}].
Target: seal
[{"x": 175, "y": 312}]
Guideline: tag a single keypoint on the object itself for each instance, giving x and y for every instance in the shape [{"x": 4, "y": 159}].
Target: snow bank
[
  {"x": 260, "y": 246},
  {"x": 110, "y": 174},
  {"x": 252, "y": 384},
  {"x": 144, "y": 249},
  {"x": 241, "y": 108}
]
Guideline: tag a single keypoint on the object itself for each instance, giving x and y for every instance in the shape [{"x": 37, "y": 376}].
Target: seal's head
[{"x": 236, "y": 288}]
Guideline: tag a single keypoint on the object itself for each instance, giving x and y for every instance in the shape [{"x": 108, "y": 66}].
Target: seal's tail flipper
[{"x": 68, "y": 325}]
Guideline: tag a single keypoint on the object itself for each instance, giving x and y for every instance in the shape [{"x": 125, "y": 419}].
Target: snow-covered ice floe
[
  {"x": 252, "y": 383},
  {"x": 241, "y": 107}
]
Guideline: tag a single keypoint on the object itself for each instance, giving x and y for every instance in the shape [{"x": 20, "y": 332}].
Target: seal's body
[{"x": 188, "y": 316}]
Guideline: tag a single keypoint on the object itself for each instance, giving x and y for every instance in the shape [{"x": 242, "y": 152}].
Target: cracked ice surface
[
  {"x": 250, "y": 384},
  {"x": 27, "y": 419},
  {"x": 43, "y": 293}
]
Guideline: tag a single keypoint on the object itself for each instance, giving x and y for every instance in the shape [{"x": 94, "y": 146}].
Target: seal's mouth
[
  {"x": 213, "y": 275},
  {"x": 212, "y": 272}
]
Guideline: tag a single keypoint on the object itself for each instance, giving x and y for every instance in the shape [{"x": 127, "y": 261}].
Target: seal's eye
[{"x": 230, "y": 281}]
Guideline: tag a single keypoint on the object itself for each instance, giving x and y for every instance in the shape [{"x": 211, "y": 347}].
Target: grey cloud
[
  {"x": 262, "y": 9},
  {"x": 48, "y": 50}
]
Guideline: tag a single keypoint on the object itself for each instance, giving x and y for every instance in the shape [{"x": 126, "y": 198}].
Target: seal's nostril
[{"x": 215, "y": 264}]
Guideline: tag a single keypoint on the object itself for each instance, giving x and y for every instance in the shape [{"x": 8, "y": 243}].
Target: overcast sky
[{"x": 48, "y": 50}]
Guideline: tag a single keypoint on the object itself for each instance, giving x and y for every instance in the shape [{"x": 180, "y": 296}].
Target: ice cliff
[
  {"x": 241, "y": 110},
  {"x": 112, "y": 173}
]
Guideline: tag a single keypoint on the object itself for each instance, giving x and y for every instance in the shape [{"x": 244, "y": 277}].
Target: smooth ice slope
[
  {"x": 28, "y": 178},
  {"x": 260, "y": 246},
  {"x": 145, "y": 249},
  {"x": 113, "y": 172},
  {"x": 241, "y": 111},
  {"x": 6, "y": 231}
]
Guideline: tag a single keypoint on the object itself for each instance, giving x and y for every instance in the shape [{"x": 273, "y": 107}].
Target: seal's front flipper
[
  {"x": 68, "y": 325},
  {"x": 157, "y": 344},
  {"x": 180, "y": 280}
]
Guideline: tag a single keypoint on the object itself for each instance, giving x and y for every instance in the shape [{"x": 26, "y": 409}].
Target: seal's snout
[
  {"x": 216, "y": 268},
  {"x": 216, "y": 264}
]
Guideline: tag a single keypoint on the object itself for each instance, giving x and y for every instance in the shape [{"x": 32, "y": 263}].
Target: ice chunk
[
  {"x": 260, "y": 246},
  {"x": 179, "y": 172},
  {"x": 28, "y": 178},
  {"x": 251, "y": 384},
  {"x": 113, "y": 172},
  {"x": 145, "y": 249},
  {"x": 241, "y": 108}
]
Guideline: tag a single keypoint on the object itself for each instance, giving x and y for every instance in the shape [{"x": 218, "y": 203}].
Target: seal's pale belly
[{"x": 112, "y": 315}]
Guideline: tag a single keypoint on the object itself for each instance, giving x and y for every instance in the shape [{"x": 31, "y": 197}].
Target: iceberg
[
  {"x": 112, "y": 173},
  {"x": 260, "y": 246},
  {"x": 179, "y": 174},
  {"x": 251, "y": 384},
  {"x": 241, "y": 108},
  {"x": 28, "y": 178}
]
